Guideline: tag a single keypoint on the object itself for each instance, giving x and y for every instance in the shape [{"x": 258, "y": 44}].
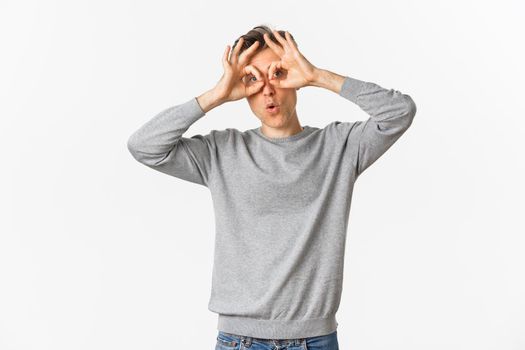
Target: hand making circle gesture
[
  {"x": 231, "y": 86},
  {"x": 299, "y": 71}
]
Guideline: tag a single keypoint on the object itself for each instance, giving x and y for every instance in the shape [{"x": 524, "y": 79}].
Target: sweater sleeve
[
  {"x": 159, "y": 144},
  {"x": 390, "y": 115}
]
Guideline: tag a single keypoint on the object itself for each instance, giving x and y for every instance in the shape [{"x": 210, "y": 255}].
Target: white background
[{"x": 97, "y": 251}]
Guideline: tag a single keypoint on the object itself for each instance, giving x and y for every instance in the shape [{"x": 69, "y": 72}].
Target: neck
[{"x": 290, "y": 129}]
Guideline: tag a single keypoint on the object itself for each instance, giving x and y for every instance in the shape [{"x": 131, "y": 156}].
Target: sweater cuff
[
  {"x": 185, "y": 113},
  {"x": 352, "y": 88},
  {"x": 194, "y": 107}
]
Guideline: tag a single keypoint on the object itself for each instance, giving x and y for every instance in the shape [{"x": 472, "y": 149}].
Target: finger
[
  {"x": 291, "y": 41},
  {"x": 279, "y": 83},
  {"x": 273, "y": 67},
  {"x": 249, "y": 69},
  {"x": 235, "y": 53},
  {"x": 280, "y": 39},
  {"x": 254, "y": 88},
  {"x": 225, "y": 56},
  {"x": 275, "y": 48},
  {"x": 245, "y": 55},
  {"x": 276, "y": 83}
]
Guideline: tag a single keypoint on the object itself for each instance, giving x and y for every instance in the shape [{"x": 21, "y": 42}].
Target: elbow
[
  {"x": 133, "y": 147},
  {"x": 144, "y": 152},
  {"x": 411, "y": 110}
]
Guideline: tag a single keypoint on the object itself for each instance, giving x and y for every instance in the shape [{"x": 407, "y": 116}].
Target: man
[{"x": 281, "y": 192}]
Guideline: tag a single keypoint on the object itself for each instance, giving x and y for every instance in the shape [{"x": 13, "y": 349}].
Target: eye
[
  {"x": 248, "y": 79},
  {"x": 278, "y": 72}
]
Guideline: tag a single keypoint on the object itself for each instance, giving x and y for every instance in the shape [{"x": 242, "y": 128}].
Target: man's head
[{"x": 284, "y": 115}]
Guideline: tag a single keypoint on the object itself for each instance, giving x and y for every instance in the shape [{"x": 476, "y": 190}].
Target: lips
[
  {"x": 271, "y": 105},
  {"x": 273, "y": 110}
]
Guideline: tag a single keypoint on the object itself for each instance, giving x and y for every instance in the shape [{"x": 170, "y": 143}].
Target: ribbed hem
[
  {"x": 303, "y": 133},
  {"x": 276, "y": 329}
]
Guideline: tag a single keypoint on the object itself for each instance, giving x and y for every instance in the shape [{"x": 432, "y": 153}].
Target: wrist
[
  {"x": 209, "y": 100},
  {"x": 328, "y": 80}
]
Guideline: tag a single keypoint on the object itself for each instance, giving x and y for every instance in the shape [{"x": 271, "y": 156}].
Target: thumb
[
  {"x": 276, "y": 82},
  {"x": 254, "y": 88}
]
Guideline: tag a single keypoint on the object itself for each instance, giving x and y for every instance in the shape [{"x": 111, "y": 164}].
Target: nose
[{"x": 268, "y": 89}]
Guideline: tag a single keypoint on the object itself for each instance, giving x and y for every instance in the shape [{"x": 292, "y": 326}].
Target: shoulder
[
  {"x": 221, "y": 137},
  {"x": 339, "y": 129}
]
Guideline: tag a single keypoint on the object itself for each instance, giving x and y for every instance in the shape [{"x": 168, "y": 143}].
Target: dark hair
[{"x": 256, "y": 34}]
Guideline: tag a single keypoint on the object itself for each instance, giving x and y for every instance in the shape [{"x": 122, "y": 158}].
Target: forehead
[{"x": 262, "y": 59}]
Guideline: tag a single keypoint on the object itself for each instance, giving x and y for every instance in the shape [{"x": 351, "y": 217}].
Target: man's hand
[
  {"x": 299, "y": 71},
  {"x": 231, "y": 87}
]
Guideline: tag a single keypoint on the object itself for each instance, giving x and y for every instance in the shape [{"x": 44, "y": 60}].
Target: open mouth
[{"x": 272, "y": 107}]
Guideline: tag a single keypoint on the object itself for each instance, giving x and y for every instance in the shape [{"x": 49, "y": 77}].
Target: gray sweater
[{"x": 281, "y": 206}]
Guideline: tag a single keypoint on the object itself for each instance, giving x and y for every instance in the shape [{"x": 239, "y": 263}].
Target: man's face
[{"x": 285, "y": 99}]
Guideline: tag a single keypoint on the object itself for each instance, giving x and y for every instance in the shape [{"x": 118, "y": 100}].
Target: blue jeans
[{"x": 229, "y": 341}]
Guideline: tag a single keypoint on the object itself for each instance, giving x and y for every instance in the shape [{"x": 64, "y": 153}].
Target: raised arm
[
  {"x": 391, "y": 113},
  {"x": 160, "y": 144}
]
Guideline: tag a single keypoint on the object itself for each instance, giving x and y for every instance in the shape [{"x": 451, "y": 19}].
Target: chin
[
  {"x": 275, "y": 123},
  {"x": 272, "y": 119}
]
